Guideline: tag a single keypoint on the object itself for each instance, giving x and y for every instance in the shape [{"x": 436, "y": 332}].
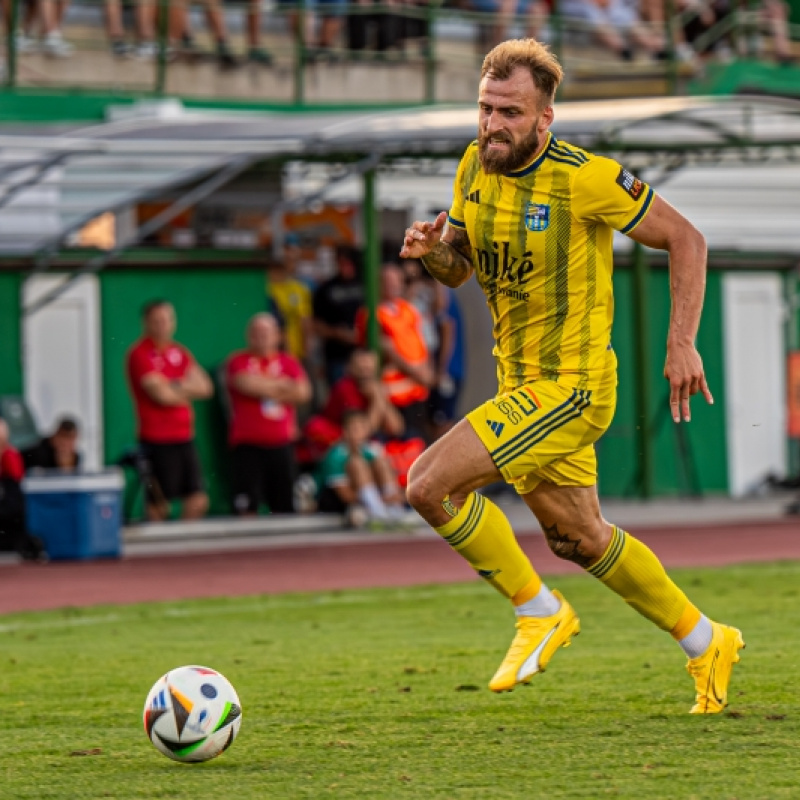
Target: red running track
[{"x": 372, "y": 563}]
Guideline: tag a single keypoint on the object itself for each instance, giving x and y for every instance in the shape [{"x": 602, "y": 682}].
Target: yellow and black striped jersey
[{"x": 542, "y": 250}]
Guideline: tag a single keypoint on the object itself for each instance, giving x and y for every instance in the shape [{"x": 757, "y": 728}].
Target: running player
[{"x": 533, "y": 217}]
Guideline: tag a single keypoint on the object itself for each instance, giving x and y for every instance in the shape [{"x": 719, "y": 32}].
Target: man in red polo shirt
[
  {"x": 164, "y": 380},
  {"x": 265, "y": 387}
]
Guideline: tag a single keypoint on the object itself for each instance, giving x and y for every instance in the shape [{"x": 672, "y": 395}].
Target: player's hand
[
  {"x": 422, "y": 237},
  {"x": 684, "y": 371}
]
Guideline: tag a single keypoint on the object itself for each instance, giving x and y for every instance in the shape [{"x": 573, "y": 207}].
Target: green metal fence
[{"x": 405, "y": 53}]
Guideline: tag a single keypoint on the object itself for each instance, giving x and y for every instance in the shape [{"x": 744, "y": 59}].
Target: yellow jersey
[
  {"x": 541, "y": 242},
  {"x": 293, "y": 302}
]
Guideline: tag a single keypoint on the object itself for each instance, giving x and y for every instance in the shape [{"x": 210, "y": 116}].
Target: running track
[{"x": 374, "y": 562}]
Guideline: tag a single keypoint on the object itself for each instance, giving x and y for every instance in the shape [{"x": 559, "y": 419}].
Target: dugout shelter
[{"x": 732, "y": 161}]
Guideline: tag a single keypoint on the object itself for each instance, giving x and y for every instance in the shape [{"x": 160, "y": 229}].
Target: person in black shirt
[
  {"x": 57, "y": 451},
  {"x": 336, "y": 302}
]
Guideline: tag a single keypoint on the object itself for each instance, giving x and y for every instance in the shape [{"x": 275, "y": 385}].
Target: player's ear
[{"x": 547, "y": 117}]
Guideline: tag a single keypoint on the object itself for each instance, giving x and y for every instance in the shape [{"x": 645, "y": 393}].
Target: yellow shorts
[{"x": 543, "y": 431}]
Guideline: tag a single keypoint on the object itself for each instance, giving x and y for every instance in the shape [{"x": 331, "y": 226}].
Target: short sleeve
[
  {"x": 606, "y": 192},
  {"x": 139, "y": 365},
  {"x": 292, "y": 368},
  {"x": 455, "y": 216},
  {"x": 234, "y": 366}
]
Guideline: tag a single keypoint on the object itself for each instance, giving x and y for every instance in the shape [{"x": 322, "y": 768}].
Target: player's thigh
[
  {"x": 539, "y": 423},
  {"x": 458, "y": 462}
]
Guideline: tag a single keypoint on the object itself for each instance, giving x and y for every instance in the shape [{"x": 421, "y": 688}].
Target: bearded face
[{"x": 501, "y": 152}]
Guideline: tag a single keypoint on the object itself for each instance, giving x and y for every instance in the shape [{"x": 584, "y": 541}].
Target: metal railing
[{"x": 437, "y": 46}]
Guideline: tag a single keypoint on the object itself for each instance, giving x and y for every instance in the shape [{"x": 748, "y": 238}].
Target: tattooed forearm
[
  {"x": 450, "y": 262},
  {"x": 566, "y": 548}
]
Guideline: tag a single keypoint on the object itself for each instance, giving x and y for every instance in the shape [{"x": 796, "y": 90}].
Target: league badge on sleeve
[
  {"x": 630, "y": 183},
  {"x": 537, "y": 216}
]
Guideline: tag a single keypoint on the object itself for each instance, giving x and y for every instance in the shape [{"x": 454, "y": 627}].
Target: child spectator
[{"x": 355, "y": 478}]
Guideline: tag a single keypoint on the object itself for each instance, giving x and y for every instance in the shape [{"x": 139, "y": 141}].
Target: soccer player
[{"x": 533, "y": 218}]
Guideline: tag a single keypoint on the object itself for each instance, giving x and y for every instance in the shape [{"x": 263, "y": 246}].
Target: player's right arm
[{"x": 445, "y": 251}]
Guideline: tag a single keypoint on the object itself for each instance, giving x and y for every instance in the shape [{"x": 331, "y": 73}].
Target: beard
[{"x": 518, "y": 155}]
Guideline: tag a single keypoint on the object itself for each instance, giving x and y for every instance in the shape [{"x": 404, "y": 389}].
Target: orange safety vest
[{"x": 400, "y": 321}]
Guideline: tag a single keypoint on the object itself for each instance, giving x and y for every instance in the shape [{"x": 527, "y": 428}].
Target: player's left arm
[{"x": 664, "y": 228}]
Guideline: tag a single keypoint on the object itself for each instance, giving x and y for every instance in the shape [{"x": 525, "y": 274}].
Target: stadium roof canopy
[{"x": 53, "y": 180}]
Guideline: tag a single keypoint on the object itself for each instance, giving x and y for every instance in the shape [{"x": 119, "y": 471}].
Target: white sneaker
[
  {"x": 147, "y": 51},
  {"x": 26, "y": 44},
  {"x": 54, "y": 46}
]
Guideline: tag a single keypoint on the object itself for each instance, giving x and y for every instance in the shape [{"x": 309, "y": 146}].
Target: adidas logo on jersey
[
  {"x": 497, "y": 427},
  {"x": 474, "y": 197}
]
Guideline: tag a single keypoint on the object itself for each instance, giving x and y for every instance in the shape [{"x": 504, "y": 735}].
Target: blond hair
[{"x": 534, "y": 56}]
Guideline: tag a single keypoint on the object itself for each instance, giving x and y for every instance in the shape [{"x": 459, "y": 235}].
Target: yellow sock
[
  {"x": 632, "y": 570},
  {"x": 481, "y": 533}
]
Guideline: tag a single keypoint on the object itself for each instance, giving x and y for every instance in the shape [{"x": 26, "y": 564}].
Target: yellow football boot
[
  {"x": 712, "y": 670},
  {"x": 536, "y": 640}
]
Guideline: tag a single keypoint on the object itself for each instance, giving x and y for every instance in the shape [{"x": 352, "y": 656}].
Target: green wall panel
[
  {"x": 616, "y": 450},
  {"x": 212, "y": 308},
  {"x": 688, "y": 457},
  {"x": 10, "y": 350}
]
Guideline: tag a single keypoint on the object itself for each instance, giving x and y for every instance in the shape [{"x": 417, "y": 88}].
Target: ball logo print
[{"x": 192, "y": 714}]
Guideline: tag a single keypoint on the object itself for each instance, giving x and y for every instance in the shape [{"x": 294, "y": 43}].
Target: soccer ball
[{"x": 192, "y": 714}]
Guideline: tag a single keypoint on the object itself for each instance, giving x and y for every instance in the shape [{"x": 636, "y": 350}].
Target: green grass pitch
[{"x": 382, "y": 694}]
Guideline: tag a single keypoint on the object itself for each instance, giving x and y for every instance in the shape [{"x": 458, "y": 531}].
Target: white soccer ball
[{"x": 192, "y": 714}]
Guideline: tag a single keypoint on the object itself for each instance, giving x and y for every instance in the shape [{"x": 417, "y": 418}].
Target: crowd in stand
[
  {"x": 306, "y": 395},
  {"x": 332, "y": 28}
]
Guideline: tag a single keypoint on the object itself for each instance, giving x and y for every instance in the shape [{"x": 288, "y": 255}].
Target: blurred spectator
[
  {"x": 41, "y": 25},
  {"x": 336, "y": 303},
  {"x": 265, "y": 387},
  {"x": 13, "y": 532},
  {"x": 448, "y": 363},
  {"x": 355, "y": 478},
  {"x": 421, "y": 292},
  {"x": 361, "y": 389},
  {"x": 703, "y": 15},
  {"x": 407, "y": 373},
  {"x": 533, "y": 12},
  {"x": 57, "y": 451},
  {"x": 256, "y": 54},
  {"x": 379, "y": 30},
  {"x": 144, "y": 12},
  {"x": 318, "y": 43},
  {"x": 181, "y": 32},
  {"x": 291, "y": 300},
  {"x": 616, "y": 24},
  {"x": 164, "y": 380}
]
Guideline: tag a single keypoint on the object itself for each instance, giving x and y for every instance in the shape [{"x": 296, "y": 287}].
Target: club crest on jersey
[{"x": 537, "y": 216}]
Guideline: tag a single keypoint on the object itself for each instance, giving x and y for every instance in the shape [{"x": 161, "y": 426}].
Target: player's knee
[{"x": 421, "y": 490}]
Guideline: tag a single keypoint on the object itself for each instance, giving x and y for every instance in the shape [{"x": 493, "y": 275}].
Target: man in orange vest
[{"x": 407, "y": 372}]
